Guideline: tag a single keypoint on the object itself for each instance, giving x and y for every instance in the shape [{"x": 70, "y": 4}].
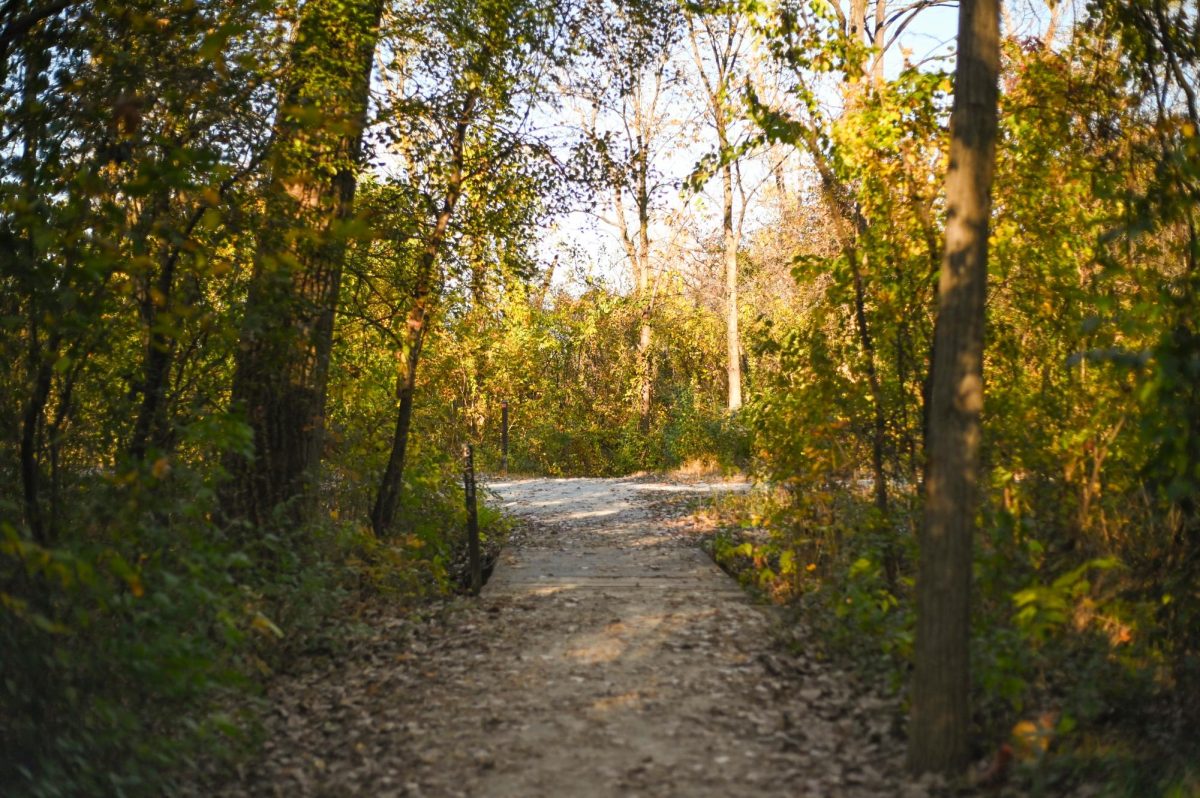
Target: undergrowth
[
  {"x": 1066, "y": 667},
  {"x": 135, "y": 650}
]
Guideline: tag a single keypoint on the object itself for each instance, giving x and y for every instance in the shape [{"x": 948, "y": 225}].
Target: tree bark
[
  {"x": 282, "y": 364},
  {"x": 878, "y": 43},
  {"x": 387, "y": 498},
  {"x": 149, "y": 429},
  {"x": 941, "y": 681}
]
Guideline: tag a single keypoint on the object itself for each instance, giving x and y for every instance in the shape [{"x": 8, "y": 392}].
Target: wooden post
[
  {"x": 504, "y": 437},
  {"x": 472, "y": 520}
]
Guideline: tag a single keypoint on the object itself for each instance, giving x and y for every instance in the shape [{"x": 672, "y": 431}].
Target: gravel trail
[{"x": 607, "y": 656}]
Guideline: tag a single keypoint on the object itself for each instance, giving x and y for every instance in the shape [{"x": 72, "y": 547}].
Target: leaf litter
[{"x": 607, "y": 657}]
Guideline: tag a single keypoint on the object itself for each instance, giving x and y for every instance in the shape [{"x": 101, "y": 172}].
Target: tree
[
  {"x": 464, "y": 85},
  {"x": 938, "y": 731},
  {"x": 628, "y": 128},
  {"x": 722, "y": 32},
  {"x": 283, "y": 359}
]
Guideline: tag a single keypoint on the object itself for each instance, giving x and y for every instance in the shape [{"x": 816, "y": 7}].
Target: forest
[{"x": 923, "y": 272}]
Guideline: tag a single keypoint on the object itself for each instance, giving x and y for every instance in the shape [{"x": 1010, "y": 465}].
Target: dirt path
[{"x": 607, "y": 656}]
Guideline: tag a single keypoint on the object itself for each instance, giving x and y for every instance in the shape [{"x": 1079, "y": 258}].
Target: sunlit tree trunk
[
  {"x": 733, "y": 349},
  {"x": 644, "y": 295},
  {"x": 283, "y": 358},
  {"x": 855, "y": 27},
  {"x": 637, "y": 249},
  {"x": 878, "y": 43},
  {"x": 940, "y": 708},
  {"x": 723, "y": 39}
]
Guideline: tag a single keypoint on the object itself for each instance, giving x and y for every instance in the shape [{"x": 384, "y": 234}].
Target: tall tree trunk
[
  {"x": 645, "y": 300},
  {"x": 717, "y": 89},
  {"x": 856, "y": 94},
  {"x": 387, "y": 499},
  {"x": 638, "y": 251},
  {"x": 160, "y": 340},
  {"x": 879, "y": 41},
  {"x": 733, "y": 365},
  {"x": 891, "y": 558},
  {"x": 31, "y": 422},
  {"x": 283, "y": 359},
  {"x": 645, "y": 367},
  {"x": 161, "y": 343},
  {"x": 41, "y": 353},
  {"x": 940, "y": 709},
  {"x": 858, "y": 21}
]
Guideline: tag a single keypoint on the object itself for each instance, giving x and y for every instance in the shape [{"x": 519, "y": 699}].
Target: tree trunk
[
  {"x": 156, "y": 366},
  {"x": 879, "y": 41},
  {"x": 283, "y": 359},
  {"x": 891, "y": 556},
  {"x": 31, "y": 421},
  {"x": 733, "y": 366},
  {"x": 387, "y": 499},
  {"x": 858, "y": 21},
  {"x": 645, "y": 300},
  {"x": 41, "y": 354},
  {"x": 161, "y": 345},
  {"x": 717, "y": 88},
  {"x": 940, "y": 710},
  {"x": 645, "y": 381}
]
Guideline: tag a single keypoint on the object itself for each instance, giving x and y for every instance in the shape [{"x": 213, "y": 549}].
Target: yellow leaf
[
  {"x": 265, "y": 625},
  {"x": 1031, "y": 738}
]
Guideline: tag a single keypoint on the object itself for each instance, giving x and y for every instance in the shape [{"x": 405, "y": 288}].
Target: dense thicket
[{"x": 266, "y": 265}]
